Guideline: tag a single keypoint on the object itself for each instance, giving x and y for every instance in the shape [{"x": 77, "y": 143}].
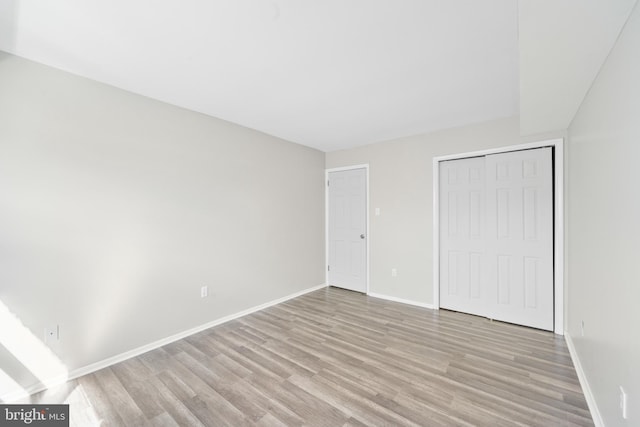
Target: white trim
[
  {"x": 436, "y": 233},
  {"x": 498, "y": 150},
  {"x": 76, "y": 373},
  {"x": 586, "y": 389},
  {"x": 400, "y": 300},
  {"x": 326, "y": 218},
  {"x": 558, "y": 238},
  {"x": 346, "y": 168}
]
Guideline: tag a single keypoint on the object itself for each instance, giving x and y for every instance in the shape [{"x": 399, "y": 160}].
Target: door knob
[{"x": 362, "y": 236}]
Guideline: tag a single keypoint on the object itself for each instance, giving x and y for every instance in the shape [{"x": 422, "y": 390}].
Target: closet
[{"x": 496, "y": 236}]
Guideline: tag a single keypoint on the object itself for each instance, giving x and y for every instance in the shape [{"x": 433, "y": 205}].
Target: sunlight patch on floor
[{"x": 81, "y": 410}]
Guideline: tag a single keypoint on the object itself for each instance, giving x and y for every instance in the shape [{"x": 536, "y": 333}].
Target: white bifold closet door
[{"x": 496, "y": 237}]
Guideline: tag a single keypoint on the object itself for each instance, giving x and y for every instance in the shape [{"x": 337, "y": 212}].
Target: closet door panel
[
  {"x": 462, "y": 235},
  {"x": 519, "y": 237}
]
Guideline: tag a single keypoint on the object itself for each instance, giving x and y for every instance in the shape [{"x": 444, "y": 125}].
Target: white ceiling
[{"x": 329, "y": 74}]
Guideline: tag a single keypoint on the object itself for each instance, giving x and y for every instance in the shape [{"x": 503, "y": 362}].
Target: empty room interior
[{"x": 335, "y": 213}]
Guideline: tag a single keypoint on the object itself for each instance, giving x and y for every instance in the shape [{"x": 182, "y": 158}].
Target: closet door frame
[{"x": 558, "y": 217}]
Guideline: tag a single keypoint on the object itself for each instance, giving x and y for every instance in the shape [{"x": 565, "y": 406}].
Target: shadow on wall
[{"x": 9, "y": 11}]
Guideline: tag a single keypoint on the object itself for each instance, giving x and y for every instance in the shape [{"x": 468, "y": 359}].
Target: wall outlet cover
[{"x": 51, "y": 334}]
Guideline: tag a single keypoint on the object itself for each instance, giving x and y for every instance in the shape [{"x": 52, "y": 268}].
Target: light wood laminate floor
[{"x": 339, "y": 358}]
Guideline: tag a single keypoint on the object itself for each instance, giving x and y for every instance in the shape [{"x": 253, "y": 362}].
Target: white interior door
[
  {"x": 520, "y": 237},
  {"x": 347, "y": 229},
  {"x": 496, "y": 236}
]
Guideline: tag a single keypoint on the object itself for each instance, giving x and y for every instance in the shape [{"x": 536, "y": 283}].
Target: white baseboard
[
  {"x": 401, "y": 300},
  {"x": 76, "y": 373},
  {"x": 584, "y": 383}
]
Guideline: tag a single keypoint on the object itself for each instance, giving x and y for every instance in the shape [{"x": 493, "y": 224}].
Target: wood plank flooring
[{"x": 339, "y": 358}]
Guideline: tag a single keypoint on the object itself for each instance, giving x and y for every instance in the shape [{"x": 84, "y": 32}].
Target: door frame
[
  {"x": 558, "y": 218},
  {"x": 326, "y": 218}
]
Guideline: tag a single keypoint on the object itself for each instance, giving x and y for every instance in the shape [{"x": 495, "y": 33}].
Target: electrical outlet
[
  {"x": 377, "y": 211},
  {"x": 623, "y": 403},
  {"x": 394, "y": 272},
  {"x": 204, "y": 291},
  {"x": 51, "y": 334}
]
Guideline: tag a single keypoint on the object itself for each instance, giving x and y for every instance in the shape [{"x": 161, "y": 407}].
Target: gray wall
[
  {"x": 401, "y": 185},
  {"x": 115, "y": 209},
  {"x": 604, "y": 229}
]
